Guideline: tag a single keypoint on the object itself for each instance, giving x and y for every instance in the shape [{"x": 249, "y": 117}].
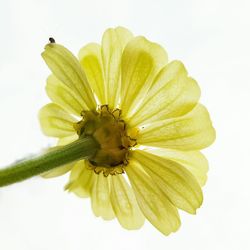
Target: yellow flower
[{"x": 144, "y": 113}]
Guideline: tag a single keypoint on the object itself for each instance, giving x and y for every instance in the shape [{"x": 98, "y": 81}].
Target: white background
[{"x": 212, "y": 39}]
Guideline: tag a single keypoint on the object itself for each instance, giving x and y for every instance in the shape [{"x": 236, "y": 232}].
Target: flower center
[{"x": 111, "y": 132}]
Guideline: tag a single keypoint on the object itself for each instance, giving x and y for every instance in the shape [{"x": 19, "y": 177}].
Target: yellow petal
[
  {"x": 177, "y": 183},
  {"x": 124, "y": 204},
  {"x": 192, "y": 131},
  {"x": 90, "y": 57},
  {"x": 152, "y": 202},
  {"x": 66, "y": 140},
  {"x": 62, "y": 95},
  {"x": 58, "y": 171},
  {"x": 81, "y": 180},
  {"x": 113, "y": 43},
  {"x": 55, "y": 121},
  {"x": 100, "y": 198},
  {"x": 173, "y": 94},
  {"x": 193, "y": 161},
  {"x": 77, "y": 171},
  {"x": 141, "y": 61},
  {"x": 67, "y": 69}
]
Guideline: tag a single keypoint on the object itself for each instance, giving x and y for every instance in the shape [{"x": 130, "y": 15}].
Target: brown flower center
[{"x": 111, "y": 132}]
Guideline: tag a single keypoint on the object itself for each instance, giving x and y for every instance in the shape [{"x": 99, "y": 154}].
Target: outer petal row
[
  {"x": 113, "y": 44},
  {"x": 100, "y": 198},
  {"x": 159, "y": 185},
  {"x": 148, "y": 93},
  {"x": 55, "y": 121},
  {"x": 153, "y": 203},
  {"x": 124, "y": 204},
  {"x": 68, "y": 70},
  {"x": 90, "y": 57},
  {"x": 64, "y": 96},
  {"x": 177, "y": 183},
  {"x": 81, "y": 180},
  {"x": 110, "y": 196},
  {"x": 141, "y": 62},
  {"x": 122, "y": 69},
  {"x": 102, "y": 64},
  {"x": 193, "y": 161},
  {"x": 192, "y": 131},
  {"x": 173, "y": 94}
]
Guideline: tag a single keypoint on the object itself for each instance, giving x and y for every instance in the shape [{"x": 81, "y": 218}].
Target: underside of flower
[
  {"x": 162, "y": 159},
  {"x": 108, "y": 128}
]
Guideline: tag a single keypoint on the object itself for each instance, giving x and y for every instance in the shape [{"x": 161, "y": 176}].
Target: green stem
[{"x": 83, "y": 148}]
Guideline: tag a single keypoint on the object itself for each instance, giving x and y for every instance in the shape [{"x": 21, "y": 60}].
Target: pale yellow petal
[
  {"x": 90, "y": 57},
  {"x": 124, "y": 204},
  {"x": 192, "y": 131},
  {"x": 194, "y": 161},
  {"x": 153, "y": 203},
  {"x": 81, "y": 180},
  {"x": 141, "y": 62},
  {"x": 58, "y": 171},
  {"x": 173, "y": 94},
  {"x": 175, "y": 181},
  {"x": 77, "y": 171},
  {"x": 100, "y": 198},
  {"x": 113, "y": 43},
  {"x": 55, "y": 121},
  {"x": 62, "y": 95},
  {"x": 68, "y": 139},
  {"x": 65, "y": 66}
]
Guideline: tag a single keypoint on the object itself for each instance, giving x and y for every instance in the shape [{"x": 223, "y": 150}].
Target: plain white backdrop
[{"x": 212, "y": 39}]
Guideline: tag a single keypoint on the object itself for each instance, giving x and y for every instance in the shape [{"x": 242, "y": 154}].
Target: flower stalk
[{"x": 83, "y": 148}]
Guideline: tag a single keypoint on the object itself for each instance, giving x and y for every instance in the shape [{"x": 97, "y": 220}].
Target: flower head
[{"x": 144, "y": 113}]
